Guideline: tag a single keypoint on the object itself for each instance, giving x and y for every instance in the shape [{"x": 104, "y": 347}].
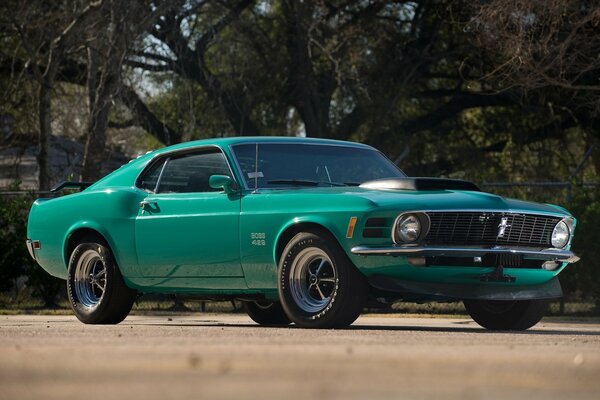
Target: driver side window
[
  {"x": 185, "y": 173},
  {"x": 190, "y": 173}
]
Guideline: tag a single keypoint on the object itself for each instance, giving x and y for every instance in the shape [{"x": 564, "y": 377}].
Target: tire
[
  {"x": 267, "y": 313},
  {"x": 319, "y": 287},
  {"x": 506, "y": 315},
  {"x": 95, "y": 287}
]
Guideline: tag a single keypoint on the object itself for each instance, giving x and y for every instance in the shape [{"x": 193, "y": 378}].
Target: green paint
[{"x": 225, "y": 243}]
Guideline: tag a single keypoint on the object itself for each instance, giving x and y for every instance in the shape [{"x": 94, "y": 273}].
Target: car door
[{"x": 185, "y": 228}]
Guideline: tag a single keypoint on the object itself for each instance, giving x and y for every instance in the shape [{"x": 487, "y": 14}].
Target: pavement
[{"x": 219, "y": 356}]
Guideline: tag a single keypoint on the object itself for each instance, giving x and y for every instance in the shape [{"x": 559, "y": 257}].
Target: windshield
[{"x": 285, "y": 165}]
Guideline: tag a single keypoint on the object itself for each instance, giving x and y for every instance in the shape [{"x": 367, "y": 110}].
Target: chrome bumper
[
  {"x": 29, "y": 244},
  {"x": 559, "y": 255}
]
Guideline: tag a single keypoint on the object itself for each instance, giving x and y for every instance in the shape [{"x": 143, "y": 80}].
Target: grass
[{"x": 153, "y": 304}]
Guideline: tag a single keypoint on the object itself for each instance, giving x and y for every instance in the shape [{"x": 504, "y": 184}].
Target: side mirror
[{"x": 222, "y": 182}]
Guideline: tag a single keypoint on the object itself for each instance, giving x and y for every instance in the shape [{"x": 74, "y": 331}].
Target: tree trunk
[
  {"x": 45, "y": 132},
  {"x": 309, "y": 92},
  {"x": 103, "y": 82},
  {"x": 237, "y": 115},
  {"x": 99, "y": 108},
  {"x": 96, "y": 139},
  {"x": 92, "y": 77}
]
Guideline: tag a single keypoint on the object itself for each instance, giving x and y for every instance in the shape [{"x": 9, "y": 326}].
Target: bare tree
[
  {"x": 186, "y": 44},
  {"x": 46, "y": 56},
  {"x": 108, "y": 40},
  {"x": 542, "y": 44}
]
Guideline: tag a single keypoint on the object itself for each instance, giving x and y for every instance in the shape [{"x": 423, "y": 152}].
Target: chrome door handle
[{"x": 145, "y": 203}]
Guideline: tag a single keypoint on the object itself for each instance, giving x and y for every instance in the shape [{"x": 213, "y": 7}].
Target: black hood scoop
[{"x": 420, "y": 184}]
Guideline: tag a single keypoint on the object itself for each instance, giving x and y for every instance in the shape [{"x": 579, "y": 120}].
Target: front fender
[{"x": 335, "y": 229}]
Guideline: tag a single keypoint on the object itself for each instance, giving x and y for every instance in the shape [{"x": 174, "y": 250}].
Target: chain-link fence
[{"x": 560, "y": 193}]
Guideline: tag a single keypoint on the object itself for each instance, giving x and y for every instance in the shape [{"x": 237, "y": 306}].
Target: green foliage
[
  {"x": 185, "y": 107},
  {"x": 13, "y": 254},
  {"x": 583, "y": 278},
  {"x": 14, "y": 257}
]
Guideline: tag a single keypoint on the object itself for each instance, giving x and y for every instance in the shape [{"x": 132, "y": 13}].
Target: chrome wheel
[
  {"x": 90, "y": 279},
  {"x": 313, "y": 280}
]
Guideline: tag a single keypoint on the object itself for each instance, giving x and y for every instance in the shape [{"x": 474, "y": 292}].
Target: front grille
[{"x": 484, "y": 228}]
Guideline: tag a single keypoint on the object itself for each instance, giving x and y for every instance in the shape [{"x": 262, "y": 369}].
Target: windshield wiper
[{"x": 305, "y": 182}]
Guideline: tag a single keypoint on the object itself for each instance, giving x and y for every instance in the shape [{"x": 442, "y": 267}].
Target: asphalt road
[{"x": 207, "y": 356}]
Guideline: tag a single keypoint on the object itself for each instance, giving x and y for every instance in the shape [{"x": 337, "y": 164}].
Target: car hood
[
  {"x": 455, "y": 199},
  {"x": 429, "y": 200}
]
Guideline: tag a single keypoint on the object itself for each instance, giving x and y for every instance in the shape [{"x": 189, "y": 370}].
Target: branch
[
  {"x": 147, "y": 119},
  {"x": 204, "y": 41},
  {"x": 351, "y": 122},
  {"x": 149, "y": 67},
  {"x": 60, "y": 44},
  {"x": 152, "y": 56},
  {"x": 460, "y": 102},
  {"x": 122, "y": 125},
  {"x": 69, "y": 71}
]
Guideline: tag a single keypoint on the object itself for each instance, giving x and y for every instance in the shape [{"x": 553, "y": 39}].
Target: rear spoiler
[{"x": 68, "y": 184}]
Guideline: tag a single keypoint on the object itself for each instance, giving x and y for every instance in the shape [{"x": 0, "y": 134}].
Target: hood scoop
[{"x": 420, "y": 184}]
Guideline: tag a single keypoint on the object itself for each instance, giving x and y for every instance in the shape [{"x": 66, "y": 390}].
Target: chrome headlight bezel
[
  {"x": 423, "y": 224},
  {"x": 567, "y": 225}
]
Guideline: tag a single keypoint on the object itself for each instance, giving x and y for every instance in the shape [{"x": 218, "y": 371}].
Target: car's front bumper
[{"x": 559, "y": 255}]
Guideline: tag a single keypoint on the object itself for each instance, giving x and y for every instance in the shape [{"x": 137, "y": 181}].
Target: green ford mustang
[{"x": 302, "y": 230}]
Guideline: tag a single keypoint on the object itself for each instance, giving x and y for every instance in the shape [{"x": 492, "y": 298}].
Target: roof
[
  {"x": 227, "y": 141},
  {"x": 125, "y": 174}
]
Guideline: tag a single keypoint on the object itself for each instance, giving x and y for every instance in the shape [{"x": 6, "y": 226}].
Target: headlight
[
  {"x": 561, "y": 234},
  {"x": 408, "y": 228}
]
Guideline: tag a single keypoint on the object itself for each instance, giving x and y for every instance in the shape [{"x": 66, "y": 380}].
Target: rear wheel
[
  {"x": 266, "y": 313},
  {"x": 319, "y": 287},
  {"x": 96, "y": 290},
  {"x": 506, "y": 315}
]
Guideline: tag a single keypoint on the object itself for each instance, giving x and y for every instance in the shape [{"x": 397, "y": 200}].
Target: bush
[
  {"x": 15, "y": 260},
  {"x": 583, "y": 279}
]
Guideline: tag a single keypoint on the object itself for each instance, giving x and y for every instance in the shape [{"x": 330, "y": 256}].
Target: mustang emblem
[{"x": 502, "y": 227}]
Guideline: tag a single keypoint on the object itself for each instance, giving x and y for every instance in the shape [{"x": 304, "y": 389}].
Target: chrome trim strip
[
  {"x": 423, "y": 251},
  {"x": 29, "y": 244},
  {"x": 160, "y": 174},
  {"x": 495, "y": 210}
]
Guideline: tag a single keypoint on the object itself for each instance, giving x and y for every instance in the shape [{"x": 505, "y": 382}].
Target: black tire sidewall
[
  {"x": 273, "y": 314},
  {"x": 103, "y": 311},
  {"x": 349, "y": 294},
  {"x": 521, "y": 315}
]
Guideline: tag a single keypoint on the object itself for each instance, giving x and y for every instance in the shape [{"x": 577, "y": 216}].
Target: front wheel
[
  {"x": 97, "y": 293},
  {"x": 319, "y": 287},
  {"x": 506, "y": 315}
]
